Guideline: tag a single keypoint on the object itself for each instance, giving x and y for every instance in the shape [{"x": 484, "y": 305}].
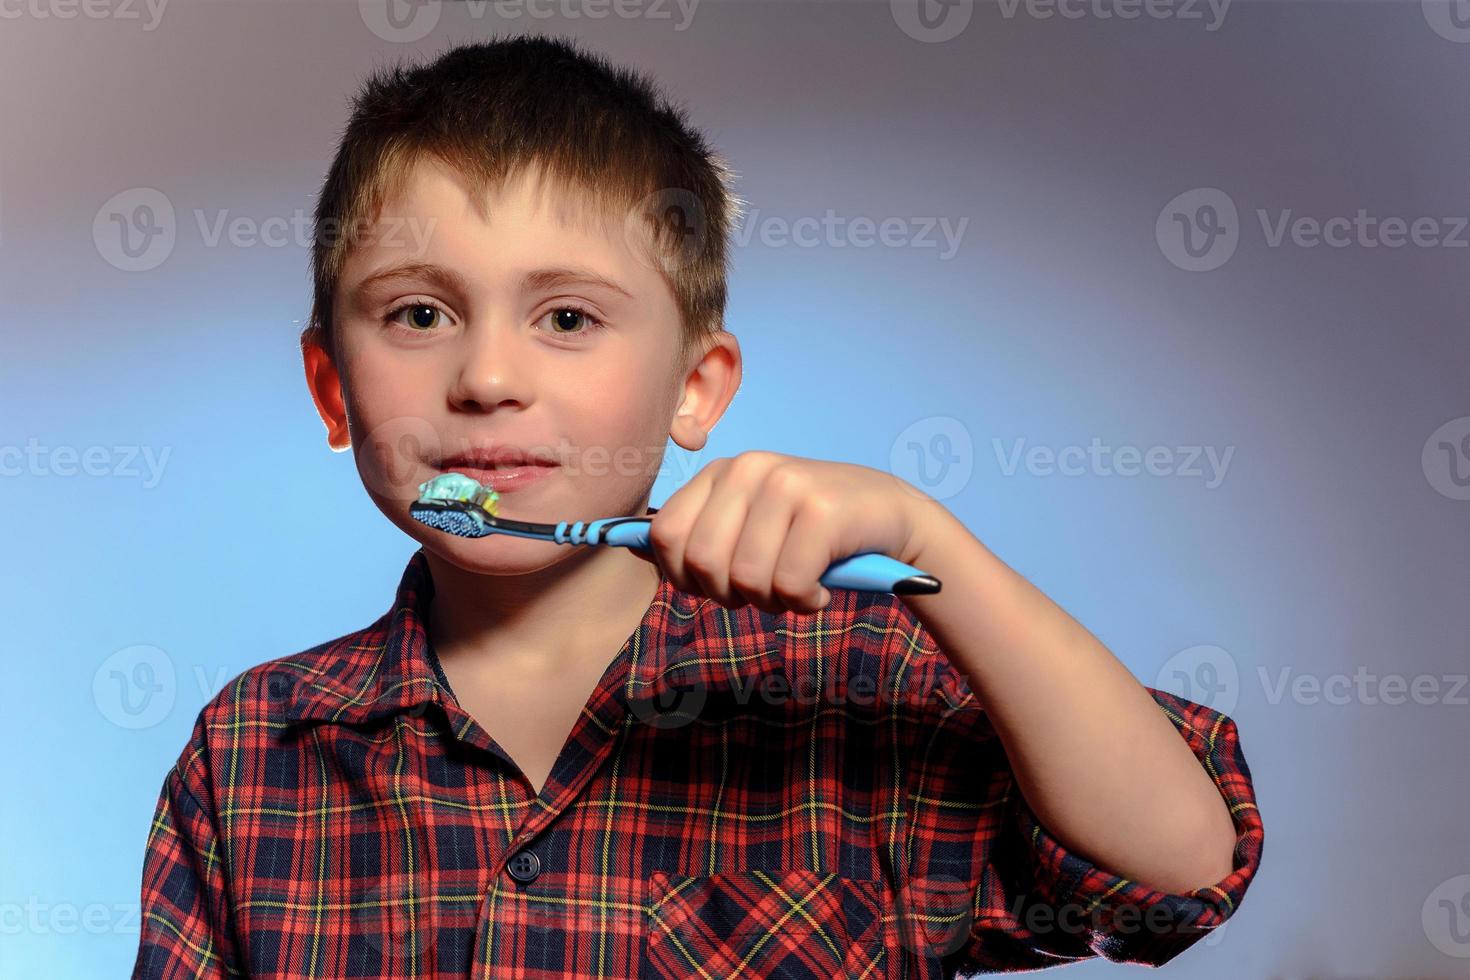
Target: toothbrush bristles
[
  {"x": 453, "y": 502},
  {"x": 462, "y": 523}
]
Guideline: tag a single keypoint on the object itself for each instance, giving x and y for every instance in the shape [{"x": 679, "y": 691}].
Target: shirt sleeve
[
  {"x": 991, "y": 889},
  {"x": 185, "y": 927}
]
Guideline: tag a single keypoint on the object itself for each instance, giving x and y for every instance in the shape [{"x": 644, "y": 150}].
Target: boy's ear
[
  {"x": 326, "y": 392},
  {"x": 708, "y": 389}
]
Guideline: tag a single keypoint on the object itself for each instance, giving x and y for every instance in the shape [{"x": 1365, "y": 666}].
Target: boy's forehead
[
  {"x": 435, "y": 209},
  {"x": 525, "y": 195}
]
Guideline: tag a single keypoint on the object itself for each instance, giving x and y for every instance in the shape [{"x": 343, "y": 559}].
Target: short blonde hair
[{"x": 491, "y": 109}]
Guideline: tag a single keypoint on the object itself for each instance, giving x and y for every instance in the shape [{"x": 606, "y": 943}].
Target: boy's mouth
[{"x": 502, "y": 469}]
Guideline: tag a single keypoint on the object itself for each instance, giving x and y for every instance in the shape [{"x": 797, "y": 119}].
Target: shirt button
[{"x": 524, "y": 866}]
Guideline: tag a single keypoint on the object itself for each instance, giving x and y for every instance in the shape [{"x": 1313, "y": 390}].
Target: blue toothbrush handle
[{"x": 866, "y": 572}]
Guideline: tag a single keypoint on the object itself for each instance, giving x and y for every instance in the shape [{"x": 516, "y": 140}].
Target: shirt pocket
[{"x": 777, "y": 924}]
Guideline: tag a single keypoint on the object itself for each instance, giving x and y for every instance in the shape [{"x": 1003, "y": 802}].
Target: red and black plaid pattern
[{"x": 743, "y": 795}]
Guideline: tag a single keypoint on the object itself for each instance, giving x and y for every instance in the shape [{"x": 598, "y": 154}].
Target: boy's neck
[{"x": 538, "y": 624}]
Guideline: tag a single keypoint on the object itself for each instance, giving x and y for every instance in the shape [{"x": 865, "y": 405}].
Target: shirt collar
[{"x": 682, "y": 640}]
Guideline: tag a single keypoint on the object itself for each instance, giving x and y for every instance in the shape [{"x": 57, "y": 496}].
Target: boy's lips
[
  {"x": 498, "y": 455},
  {"x": 502, "y": 479},
  {"x": 502, "y": 467}
]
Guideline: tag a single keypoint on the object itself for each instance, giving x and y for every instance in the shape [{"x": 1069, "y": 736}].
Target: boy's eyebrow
[
  {"x": 448, "y": 279},
  {"x": 444, "y": 278},
  {"x": 552, "y": 278}
]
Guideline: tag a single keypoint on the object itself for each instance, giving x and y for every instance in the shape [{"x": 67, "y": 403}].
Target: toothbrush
[{"x": 459, "y": 505}]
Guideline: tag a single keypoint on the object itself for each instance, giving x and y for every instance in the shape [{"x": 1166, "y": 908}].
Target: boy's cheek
[
  {"x": 621, "y": 460},
  {"x": 397, "y": 453}
]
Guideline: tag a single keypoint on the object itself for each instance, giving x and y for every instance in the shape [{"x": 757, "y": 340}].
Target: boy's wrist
[{"x": 934, "y": 531}]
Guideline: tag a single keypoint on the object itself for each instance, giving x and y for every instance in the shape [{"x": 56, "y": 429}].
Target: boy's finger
[{"x": 671, "y": 528}]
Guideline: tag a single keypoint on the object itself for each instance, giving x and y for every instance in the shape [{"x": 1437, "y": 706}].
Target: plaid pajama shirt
[{"x": 744, "y": 794}]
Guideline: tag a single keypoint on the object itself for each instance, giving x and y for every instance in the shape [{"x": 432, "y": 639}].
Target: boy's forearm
[{"x": 1099, "y": 763}]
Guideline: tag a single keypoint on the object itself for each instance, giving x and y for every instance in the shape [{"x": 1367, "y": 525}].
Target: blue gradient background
[{"x": 1325, "y": 549}]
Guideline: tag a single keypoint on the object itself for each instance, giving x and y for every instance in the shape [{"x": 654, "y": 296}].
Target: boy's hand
[{"x": 762, "y": 527}]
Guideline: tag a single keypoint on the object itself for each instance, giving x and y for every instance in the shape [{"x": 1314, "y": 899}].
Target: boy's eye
[
  {"x": 422, "y": 317},
  {"x": 566, "y": 319}
]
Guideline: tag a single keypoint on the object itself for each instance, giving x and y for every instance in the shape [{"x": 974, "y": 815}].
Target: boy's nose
[{"x": 492, "y": 369}]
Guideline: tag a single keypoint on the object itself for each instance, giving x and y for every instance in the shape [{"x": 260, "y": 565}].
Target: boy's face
[{"x": 578, "y": 372}]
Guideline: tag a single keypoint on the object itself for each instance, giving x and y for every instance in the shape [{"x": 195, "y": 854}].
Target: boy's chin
[{"x": 494, "y": 554}]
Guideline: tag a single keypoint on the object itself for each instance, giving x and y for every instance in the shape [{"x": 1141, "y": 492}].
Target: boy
[{"x": 547, "y": 761}]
